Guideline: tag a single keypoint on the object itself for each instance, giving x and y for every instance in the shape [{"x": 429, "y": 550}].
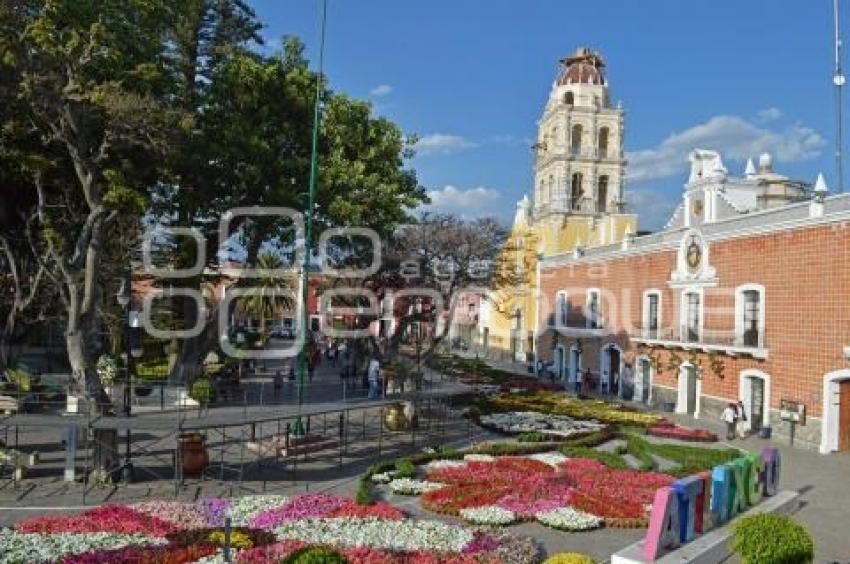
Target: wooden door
[{"x": 844, "y": 416}]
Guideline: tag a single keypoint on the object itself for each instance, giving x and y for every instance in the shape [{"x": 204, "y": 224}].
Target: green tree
[{"x": 268, "y": 301}]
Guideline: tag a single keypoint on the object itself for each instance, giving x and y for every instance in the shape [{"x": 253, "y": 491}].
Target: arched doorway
[
  {"x": 643, "y": 380},
  {"x": 754, "y": 392},
  {"x": 688, "y": 390},
  {"x": 611, "y": 367},
  {"x": 835, "y": 417}
]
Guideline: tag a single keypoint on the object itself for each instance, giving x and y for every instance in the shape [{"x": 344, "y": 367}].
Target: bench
[{"x": 278, "y": 446}]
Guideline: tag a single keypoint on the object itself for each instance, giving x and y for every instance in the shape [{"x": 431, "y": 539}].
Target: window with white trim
[
  {"x": 562, "y": 309},
  {"x": 593, "y": 317},
  {"x": 651, "y": 314},
  {"x": 749, "y": 316},
  {"x": 690, "y": 331}
]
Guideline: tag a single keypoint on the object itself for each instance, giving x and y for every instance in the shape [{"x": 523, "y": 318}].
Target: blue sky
[{"x": 470, "y": 77}]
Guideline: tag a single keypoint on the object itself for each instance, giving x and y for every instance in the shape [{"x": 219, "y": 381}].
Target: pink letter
[{"x": 663, "y": 531}]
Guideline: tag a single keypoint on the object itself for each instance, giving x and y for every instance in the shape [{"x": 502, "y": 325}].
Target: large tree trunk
[{"x": 105, "y": 452}]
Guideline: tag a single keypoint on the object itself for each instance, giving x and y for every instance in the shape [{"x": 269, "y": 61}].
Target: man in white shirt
[
  {"x": 373, "y": 372},
  {"x": 730, "y": 417}
]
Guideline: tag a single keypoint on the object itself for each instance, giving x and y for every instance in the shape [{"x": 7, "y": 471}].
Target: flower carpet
[
  {"x": 265, "y": 529},
  {"x": 565, "y": 493},
  {"x": 556, "y": 403}
]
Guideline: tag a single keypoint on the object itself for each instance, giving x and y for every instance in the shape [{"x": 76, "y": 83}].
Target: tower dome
[{"x": 583, "y": 67}]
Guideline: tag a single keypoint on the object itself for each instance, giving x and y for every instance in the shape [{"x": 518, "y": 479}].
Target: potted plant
[
  {"x": 107, "y": 372},
  {"x": 192, "y": 449}
]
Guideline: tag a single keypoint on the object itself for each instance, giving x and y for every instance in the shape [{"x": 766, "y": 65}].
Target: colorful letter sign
[{"x": 677, "y": 512}]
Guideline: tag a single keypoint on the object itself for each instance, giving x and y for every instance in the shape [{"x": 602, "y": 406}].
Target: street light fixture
[{"x": 132, "y": 351}]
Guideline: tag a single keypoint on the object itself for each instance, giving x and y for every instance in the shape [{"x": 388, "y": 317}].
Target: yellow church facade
[{"x": 577, "y": 202}]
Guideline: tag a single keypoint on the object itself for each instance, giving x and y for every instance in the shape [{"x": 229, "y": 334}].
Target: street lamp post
[
  {"x": 124, "y": 298},
  {"x": 418, "y": 341}
]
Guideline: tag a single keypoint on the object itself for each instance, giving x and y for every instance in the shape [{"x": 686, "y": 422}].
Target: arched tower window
[
  {"x": 568, "y": 98},
  {"x": 575, "y": 191},
  {"x": 575, "y": 147},
  {"x": 602, "y": 194},
  {"x": 603, "y": 142}
]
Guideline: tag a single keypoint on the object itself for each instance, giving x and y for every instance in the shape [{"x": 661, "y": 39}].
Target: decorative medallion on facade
[{"x": 692, "y": 266}]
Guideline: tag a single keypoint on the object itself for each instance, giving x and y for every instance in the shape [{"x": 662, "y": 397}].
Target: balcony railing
[{"x": 751, "y": 342}]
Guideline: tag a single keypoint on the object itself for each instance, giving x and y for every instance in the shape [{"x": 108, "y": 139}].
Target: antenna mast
[{"x": 838, "y": 80}]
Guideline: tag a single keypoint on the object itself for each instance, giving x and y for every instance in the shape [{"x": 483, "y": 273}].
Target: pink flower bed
[
  {"x": 681, "y": 433},
  {"x": 322, "y": 505},
  {"x": 106, "y": 518},
  {"x": 182, "y": 515}
]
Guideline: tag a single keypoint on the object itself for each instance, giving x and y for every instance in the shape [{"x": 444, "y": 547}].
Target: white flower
[
  {"x": 18, "y": 547},
  {"x": 410, "y": 486},
  {"x": 568, "y": 519},
  {"x": 531, "y": 421},
  {"x": 386, "y": 534},
  {"x": 443, "y": 463},
  {"x": 488, "y": 515},
  {"x": 479, "y": 457},
  {"x": 550, "y": 458},
  {"x": 243, "y": 509},
  {"x": 383, "y": 477}
]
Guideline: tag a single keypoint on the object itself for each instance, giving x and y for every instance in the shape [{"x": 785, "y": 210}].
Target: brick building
[{"x": 742, "y": 296}]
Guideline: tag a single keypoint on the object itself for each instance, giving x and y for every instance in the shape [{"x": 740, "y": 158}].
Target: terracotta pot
[
  {"x": 394, "y": 418},
  {"x": 193, "y": 453}
]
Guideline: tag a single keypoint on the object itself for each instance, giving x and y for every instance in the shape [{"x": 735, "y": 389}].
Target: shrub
[
  {"x": 405, "y": 468},
  {"x": 569, "y": 558},
  {"x": 20, "y": 379},
  {"x": 315, "y": 555},
  {"x": 772, "y": 539},
  {"x": 202, "y": 391}
]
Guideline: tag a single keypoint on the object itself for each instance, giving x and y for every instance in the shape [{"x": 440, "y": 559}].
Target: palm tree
[{"x": 267, "y": 301}]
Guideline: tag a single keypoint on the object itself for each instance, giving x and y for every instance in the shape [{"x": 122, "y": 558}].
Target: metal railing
[{"x": 690, "y": 336}]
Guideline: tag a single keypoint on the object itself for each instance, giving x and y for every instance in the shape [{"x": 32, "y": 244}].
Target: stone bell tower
[{"x": 579, "y": 159}]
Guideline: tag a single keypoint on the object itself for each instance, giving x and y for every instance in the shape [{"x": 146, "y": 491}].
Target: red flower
[
  {"x": 681, "y": 433},
  {"x": 106, "y": 518}
]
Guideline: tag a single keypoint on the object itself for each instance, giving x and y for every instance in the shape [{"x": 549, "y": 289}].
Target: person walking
[
  {"x": 730, "y": 418},
  {"x": 578, "y": 382},
  {"x": 373, "y": 374},
  {"x": 740, "y": 426}
]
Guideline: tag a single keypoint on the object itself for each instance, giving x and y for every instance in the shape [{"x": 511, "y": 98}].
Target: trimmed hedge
[
  {"x": 569, "y": 558},
  {"x": 315, "y": 555},
  {"x": 767, "y": 538}
]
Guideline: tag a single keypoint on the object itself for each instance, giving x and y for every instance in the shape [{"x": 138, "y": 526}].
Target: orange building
[{"x": 742, "y": 296}]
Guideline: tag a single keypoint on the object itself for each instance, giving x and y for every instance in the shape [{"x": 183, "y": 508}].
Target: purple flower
[
  {"x": 214, "y": 510},
  {"x": 481, "y": 542},
  {"x": 302, "y": 507}
]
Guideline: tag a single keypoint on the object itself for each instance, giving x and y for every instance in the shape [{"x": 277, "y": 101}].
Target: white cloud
[
  {"x": 381, "y": 90},
  {"x": 735, "y": 138},
  {"x": 653, "y": 207},
  {"x": 769, "y": 114},
  {"x": 442, "y": 144},
  {"x": 471, "y": 202}
]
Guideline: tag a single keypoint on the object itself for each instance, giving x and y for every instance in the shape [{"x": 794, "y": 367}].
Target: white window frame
[
  {"x": 588, "y": 299},
  {"x": 562, "y": 299},
  {"x": 739, "y": 313},
  {"x": 645, "y": 311},
  {"x": 683, "y": 312}
]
